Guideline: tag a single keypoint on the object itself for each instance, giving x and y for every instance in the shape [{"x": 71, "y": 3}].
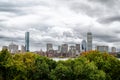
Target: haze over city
[{"x": 59, "y": 21}]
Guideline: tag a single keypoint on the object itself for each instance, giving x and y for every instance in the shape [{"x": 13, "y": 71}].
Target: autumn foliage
[{"x": 92, "y": 65}]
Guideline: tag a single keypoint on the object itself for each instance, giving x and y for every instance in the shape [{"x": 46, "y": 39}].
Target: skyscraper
[
  {"x": 64, "y": 48},
  {"x": 83, "y": 45},
  {"x": 78, "y": 47},
  {"x": 89, "y": 41},
  {"x": 49, "y": 46},
  {"x": 27, "y": 41}
]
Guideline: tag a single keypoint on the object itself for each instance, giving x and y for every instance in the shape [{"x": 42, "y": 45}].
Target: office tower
[
  {"x": 49, "y": 46},
  {"x": 102, "y": 48},
  {"x": 59, "y": 49},
  {"x": 72, "y": 51},
  {"x": 22, "y": 49},
  {"x": 89, "y": 41},
  {"x": 64, "y": 48},
  {"x": 113, "y": 49},
  {"x": 27, "y": 41},
  {"x": 84, "y": 45},
  {"x": 13, "y": 48},
  {"x": 78, "y": 48}
]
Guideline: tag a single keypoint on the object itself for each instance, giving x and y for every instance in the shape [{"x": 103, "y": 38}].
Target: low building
[
  {"x": 113, "y": 49},
  {"x": 102, "y": 48},
  {"x": 13, "y": 48}
]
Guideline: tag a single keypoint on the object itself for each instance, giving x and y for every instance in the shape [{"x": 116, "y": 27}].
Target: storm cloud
[{"x": 59, "y": 21}]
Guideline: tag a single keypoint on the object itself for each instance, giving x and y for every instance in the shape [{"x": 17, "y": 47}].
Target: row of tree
[{"x": 91, "y": 65}]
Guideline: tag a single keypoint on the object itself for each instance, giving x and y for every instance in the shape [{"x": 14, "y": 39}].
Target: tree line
[{"x": 91, "y": 65}]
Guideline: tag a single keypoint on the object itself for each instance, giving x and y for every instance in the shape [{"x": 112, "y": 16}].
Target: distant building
[
  {"x": 89, "y": 41},
  {"x": 102, "y": 48},
  {"x": 22, "y": 49},
  {"x": 4, "y": 47},
  {"x": 72, "y": 51},
  {"x": 49, "y": 46},
  {"x": 27, "y": 41},
  {"x": 64, "y": 48},
  {"x": 83, "y": 46},
  {"x": 13, "y": 48},
  {"x": 78, "y": 48},
  {"x": 59, "y": 49},
  {"x": 113, "y": 49}
]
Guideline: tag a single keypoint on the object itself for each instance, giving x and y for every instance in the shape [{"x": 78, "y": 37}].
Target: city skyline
[{"x": 59, "y": 21}]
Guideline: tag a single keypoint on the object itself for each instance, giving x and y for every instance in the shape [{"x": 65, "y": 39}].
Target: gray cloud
[
  {"x": 59, "y": 21},
  {"x": 110, "y": 19}
]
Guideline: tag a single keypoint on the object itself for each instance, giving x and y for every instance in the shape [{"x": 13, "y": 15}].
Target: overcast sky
[{"x": 59, "y": 21}]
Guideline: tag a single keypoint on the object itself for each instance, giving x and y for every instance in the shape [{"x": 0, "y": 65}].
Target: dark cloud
[
  {"x": 106, "y": 2},
  {"x": 106, "y": 38},
  {"x": 46, "y": 21},
  {"x": 109, "y": 19},
  {"x": 10, "y": 39}
]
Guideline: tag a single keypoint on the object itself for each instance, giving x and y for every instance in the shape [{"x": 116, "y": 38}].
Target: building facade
[
  {"x": 89, "y": 41},
  {"x": 64, "y": 48},
  {"x": 78, "y": 48},
  {"x": 84, "y": 46},
  {"x": 49, "y": 46},
  {"x": 102, "y": 48},
  {"x": 13, "y": 48},
  {"x": 27, "y": 41},
  {"x": 113, "y": 49}
]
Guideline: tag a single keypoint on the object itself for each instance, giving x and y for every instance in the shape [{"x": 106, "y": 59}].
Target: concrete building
[
  {"x": 89, "y": 41},
  {"x": 113, "y": 49},
  {"x": 27, "y": 41},
  {"x": 59, "y": 49},
  {"x": 49, "y": 46},
  {"x": 13, "y": 48},
  {"x": 102, "y": 48},
  {"x": 22, "y": 49},
  {"x": 78, "y": 48},
  {"x": 64, "y": 48},
  {"x": 72, "y": 51}
]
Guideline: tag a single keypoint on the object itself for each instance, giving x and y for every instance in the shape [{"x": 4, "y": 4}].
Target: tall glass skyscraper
[
  {"x": 27, "y": 41},
  {"x": 89, "y": 41}
]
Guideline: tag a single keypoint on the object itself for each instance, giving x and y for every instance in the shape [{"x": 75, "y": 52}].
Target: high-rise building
[
  {"x": 72, "y": 50},
  {"x": 89, "y": 41},
  {"x": 49, "y": 46},
  {"x": 102, "y": 48},
  {"x": 13, "y": 48},
  {"x": 84, "y": 46},
  {"x": 27, "y": 41},
  {"x": 22, "y": 49},
  {"x": 78, "y": 47},
  {"x": 113, "y": 49},
  {"x": 64, "y": 48}
]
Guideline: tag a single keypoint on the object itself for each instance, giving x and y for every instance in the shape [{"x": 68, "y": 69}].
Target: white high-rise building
[
  {"x": 13, "y": 48},
  {"x": 22, "y": 49},
  {"x": 89, "y": 41}
]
